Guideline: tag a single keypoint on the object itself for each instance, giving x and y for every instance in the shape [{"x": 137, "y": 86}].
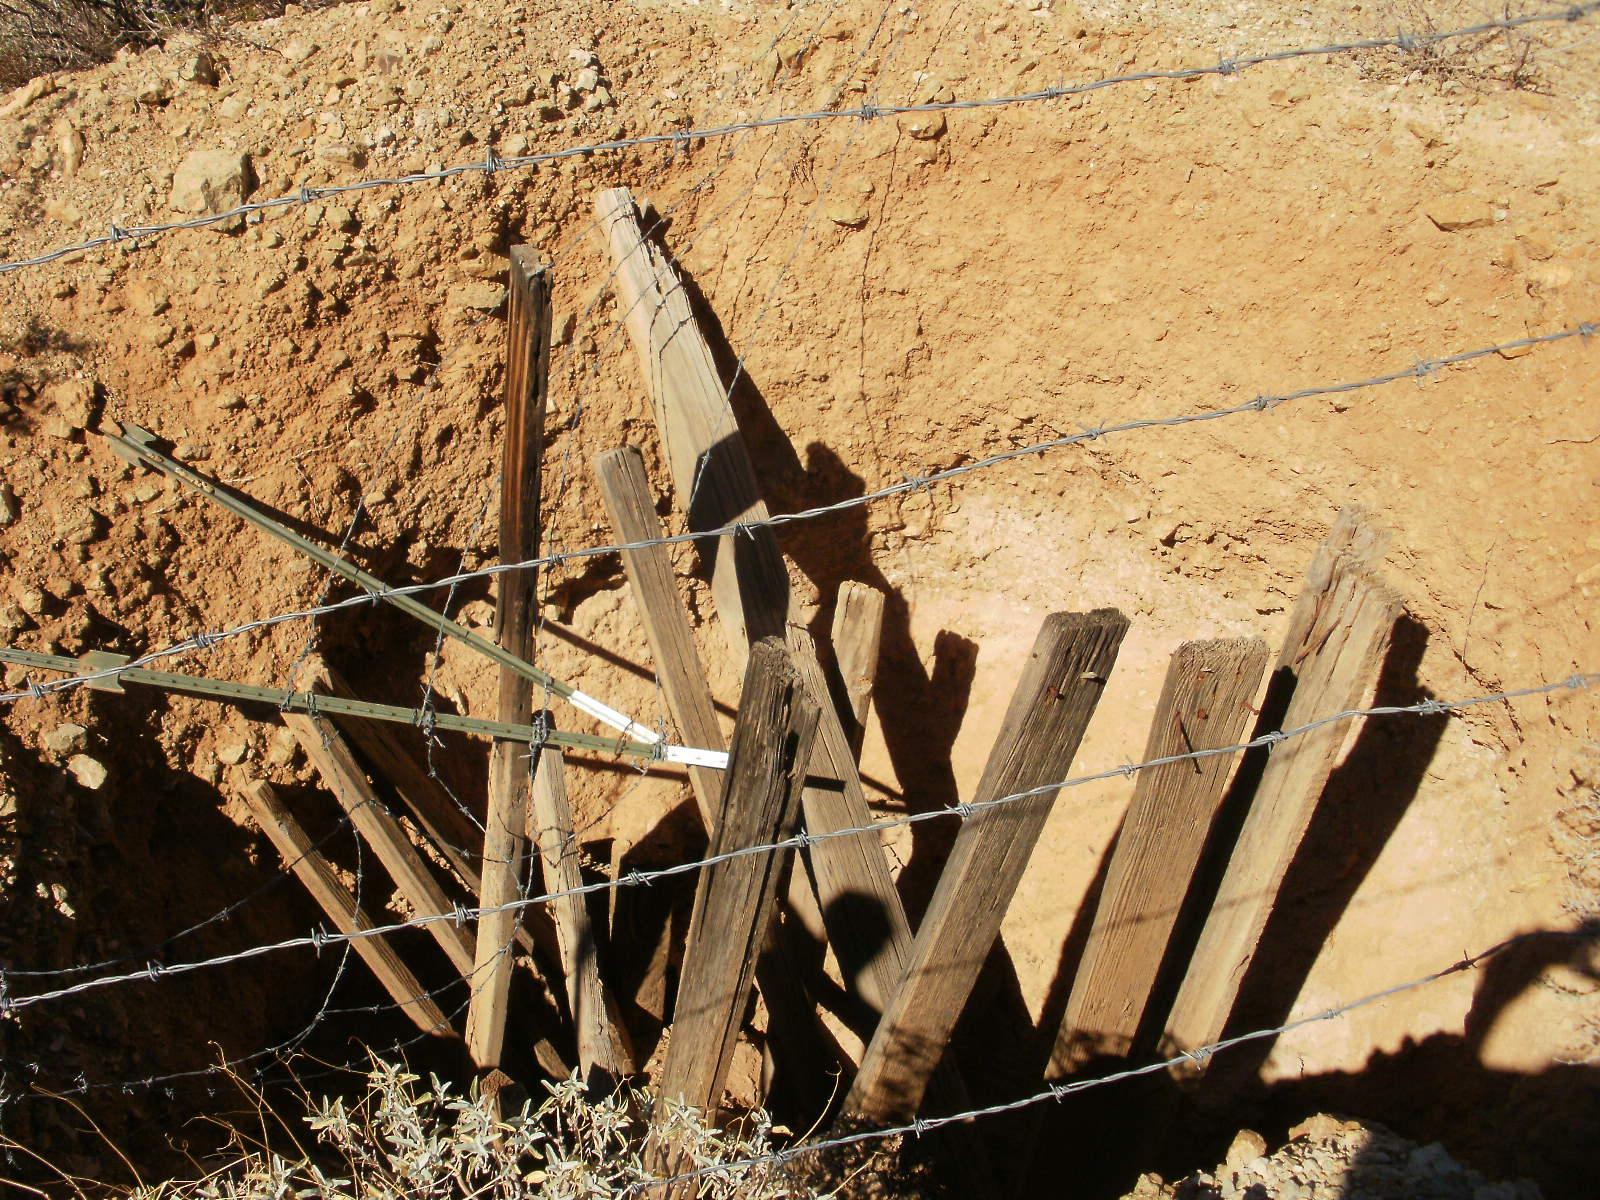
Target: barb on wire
[
  {"x": 865, "y": 112},
  {"x": 1573, "y": 683},
  {"x": 908, "y": 483},
  {"x": 918, "y": 1126}
]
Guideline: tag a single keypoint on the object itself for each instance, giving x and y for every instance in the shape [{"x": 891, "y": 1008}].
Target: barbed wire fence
[
  {"x": 869, "y": 110},
  {"x": 493, "y": 162},
  {"x": 1265, "y": 402}
]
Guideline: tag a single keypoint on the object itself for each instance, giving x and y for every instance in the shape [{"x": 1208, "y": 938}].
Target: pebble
[
  {"x": 89, "y": 772},
  {"x": 67, "y": 739},
  {"x": 484, "y": 296},
  {"x": 1455, "y": 213},
  {"x": 233, "y": 753},
  {"x": 69, "y": 151},
  {"x": 199, "y": 68},
  {"x": 9, "y": 509},
  {"x": 212, "y": 181}
]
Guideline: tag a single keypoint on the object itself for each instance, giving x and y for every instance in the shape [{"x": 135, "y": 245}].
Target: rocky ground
[
  {"x": 904, "y": 295},
  {"x": 1327, "y": 1158}
]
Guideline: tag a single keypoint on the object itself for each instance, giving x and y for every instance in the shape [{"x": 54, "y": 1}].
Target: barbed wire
[
  {"x": 919, "y": 1126},
  {"x": 802, "y": 840},
  {"x": 493, "y": 162},
  {"x": 1422, "y": 369}
]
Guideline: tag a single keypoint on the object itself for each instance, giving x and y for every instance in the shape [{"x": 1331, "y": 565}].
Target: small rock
[
  {"x": 583, "y": 56},
  {"x": 9, "y": 510},
  {"x": 199, "y": 68},
  {"x": 586, "y": 80},
  {"x": 342, "y": 152},
  {"x": 234, "y": 107},
  {"x": 342, "y": 219},
  {"x": 67, "y": 739},
  {"x": 1248, "y": 1145},
  {"x": 87, "y": 771},
  {"x": 282, "y": 749},
  {"x": 483, "y": 296},
  {"x": 69, "y": 151},
  {"x": 299, "y": 50},
  {"x": 847, "y": 211},
  {"x": 926, "y": 126},
  {"x": 153, "y": 91},
  {"x": 71, "y": 405},
  {"x": 598, "y": 99},
  {"x": 1455, "y": 213},
  {"x": 212, "y": 181},
  {"x": 28, "y": 93},
  {"x": 233, "y": 753},
  {"x": 384, "y": 8}
]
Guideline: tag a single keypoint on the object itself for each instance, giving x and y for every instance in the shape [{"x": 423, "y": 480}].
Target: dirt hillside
[{"x": 902, "y": 295}]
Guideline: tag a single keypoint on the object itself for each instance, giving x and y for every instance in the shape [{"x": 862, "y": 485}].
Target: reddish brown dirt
[{"x": 900, "y": 305}]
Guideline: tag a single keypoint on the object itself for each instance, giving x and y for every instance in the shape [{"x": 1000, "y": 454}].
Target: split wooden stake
[
  {"x": 330, "y": 754},
  {"x": 605, "y": 1054},
  {"x": 857, "y": 642},
  {"x": 312, "y": 869},
  {"x": 801, "y": 1045},
  {"x": 1338, "y": 635},
  {"x": 1049, "y": 712},
  {"x": 734, "y": 901},
  {"x": 716, "y": 484},
  {"x": 504, "y": 843},
  {"x": 1204, "y": 704}
]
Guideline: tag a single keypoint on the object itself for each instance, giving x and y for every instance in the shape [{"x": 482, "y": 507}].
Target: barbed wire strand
[
  {"x": 802, "y": 840},
  {"x": 1422, "y": 369},
  {"x": 493, "y": 162}
]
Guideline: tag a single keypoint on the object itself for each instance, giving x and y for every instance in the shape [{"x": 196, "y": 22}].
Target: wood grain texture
[
  {"x": 857, "y": 643},
  {"x": 1205, "y": 703},
  {"x": 504, "y": 843},
  {"x": 334, "y": 761},
  {"x": 716, "y": 484},
  {"x": 1049, "y": 712},
  {"x": 605, "y": 1054},
  {"x": 734, "y": 901},
  {"x": 1338, "y": 636},
  {"x": 801, "y": 1052},
  {"x": 313, "y": 870}
]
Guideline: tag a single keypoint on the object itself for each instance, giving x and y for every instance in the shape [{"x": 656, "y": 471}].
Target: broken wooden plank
[
  {"x": 734, "y": 900},
  {"x": 333, "y": 759},
  {"x": 857, "y": 642},
  {"x": 1338, "y": 635},
  {"x": 436, "y": 813},
  {"x": 510, "y": 766},
  {"x": 716, "y": 485},
  {"x": 1047, "y": 717},
  {"x": 605, "y": 1055},
  {"x": 796, "y": 1036},
  {"x": 1204, "y": 704},
  {"x": 312, "y": 869}
]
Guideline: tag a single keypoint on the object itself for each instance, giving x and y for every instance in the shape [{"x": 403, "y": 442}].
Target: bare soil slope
[{"x": 901, "y": 295}]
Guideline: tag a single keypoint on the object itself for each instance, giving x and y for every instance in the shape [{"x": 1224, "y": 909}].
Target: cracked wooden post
[
  {"x": 736, "y": 898},
  {"x": 1338, "y": 635},
  {"x": 312, "y": 869},
  {"x": 510, "y": 767},
  {"x": 1049, "y": 712},
  {"x": 1204, "y": 704}
]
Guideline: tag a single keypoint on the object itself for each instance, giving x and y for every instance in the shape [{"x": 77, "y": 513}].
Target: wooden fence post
[
  {"x": 1204, "y": 704},
  {"x": 857, "y": 643},
  {"x": 330, "y": 755},
  {"x": 734, "y": 901},
  {"x": 1338, "y": 636},
  {"x": 526, "y": 382},
  {"x": 312, "y": 869},
  {"x": 605, "y": 1054},
  {"x": 803, "y": 1048},
  {"x": 1049, "y": 712}
]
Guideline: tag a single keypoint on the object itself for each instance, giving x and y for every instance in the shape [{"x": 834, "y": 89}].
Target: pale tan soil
[{"x": 1147, "y": 250}]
